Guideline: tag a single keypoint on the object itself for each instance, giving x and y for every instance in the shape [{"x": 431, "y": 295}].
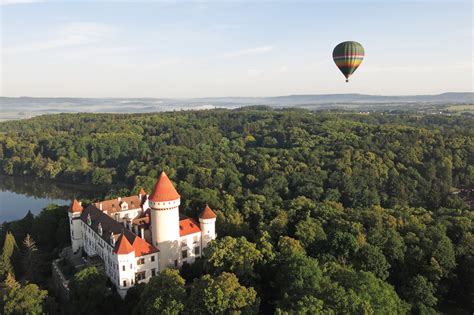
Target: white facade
[
  {"x": 165, "y": 230},
  {"x": 76, "y": 231},
  {"x": 208, "y": 230},
  {"x": 190, "y": 248},
  {"x": 123, "y": 270}
]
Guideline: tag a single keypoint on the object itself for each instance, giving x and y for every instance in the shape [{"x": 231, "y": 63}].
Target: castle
[{"x": 138, "y": 236}]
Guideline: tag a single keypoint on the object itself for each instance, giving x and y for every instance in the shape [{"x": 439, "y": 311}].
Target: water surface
[{"x": 18, "y": 195}]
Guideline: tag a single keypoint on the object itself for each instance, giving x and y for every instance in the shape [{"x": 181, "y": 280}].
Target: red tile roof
[
  {"x": 124, "y": 246},
  {"x": 188, "y": 226},
  {"x": 75, "y": 206},
  {"x": 164, "y": 190},
  {"x": 115, "y": 205},
  {"x": 207, "y": 213},
  {"x": 141, "y": 247}
]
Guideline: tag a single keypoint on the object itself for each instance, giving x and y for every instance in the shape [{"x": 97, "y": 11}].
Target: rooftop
[
  {"x": 164, "y": 190},
  {"x": 76, "y": 206},
  {"x": 188, "y": 226},
  {"x": 115, "y": 205},
  {"x": 207, "y": 213},
  {"x": 109, "y": 226}
]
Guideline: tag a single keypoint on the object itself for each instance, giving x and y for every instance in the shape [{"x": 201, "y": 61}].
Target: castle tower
[
  {"x": 164, "y": 203},
  {"x": 207, "y": 221},
  {"x": 126, "y": 265},
  {"x": 74, "y": 214}
]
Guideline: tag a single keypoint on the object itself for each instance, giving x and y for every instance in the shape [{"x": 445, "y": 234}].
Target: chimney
[
  {"x": 119, "y": 198},
  {"x": 100, "y": 206}
]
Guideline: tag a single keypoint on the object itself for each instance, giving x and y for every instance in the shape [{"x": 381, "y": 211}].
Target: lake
[{"x": 20, "y": 194}]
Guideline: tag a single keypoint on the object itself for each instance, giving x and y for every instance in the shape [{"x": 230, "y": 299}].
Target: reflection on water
[{"x": 20, "y": 194}]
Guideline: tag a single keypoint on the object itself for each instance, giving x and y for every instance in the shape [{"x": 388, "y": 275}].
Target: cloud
[
  {"x": 226, "y": 27},
  {"x": 282, "y": 69},
  {"x": 420, "y": 68},
  {"x": 11, "y": 2},
  {"x": 254, "y": 72},
  {"x": 249, "y": 52},
  {"x": 72, "y": 34}
]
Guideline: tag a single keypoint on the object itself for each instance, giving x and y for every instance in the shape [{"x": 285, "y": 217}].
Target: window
[
  {"x": 124, "y": 283},
  {"x": 153, "y": 272},
  {"x": 141, "y": 261},
  {"x": 152, "y": 258},
  {"x": 196, "y": 250},
  {"x": 184, "y": 254},
  {"x": 123, "y": 268},
  {"x": 176, "y": 263},
  {"x": 131, "y": 266},
  {"x": 140, "y": 276}
]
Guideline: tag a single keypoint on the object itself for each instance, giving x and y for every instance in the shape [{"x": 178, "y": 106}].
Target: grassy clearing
[{"x": 467, "y": 108}]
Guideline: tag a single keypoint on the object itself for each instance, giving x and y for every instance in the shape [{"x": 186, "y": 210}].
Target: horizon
[
  {"x": 235, "y": 96},
  {"x": 202, "y": 50}
]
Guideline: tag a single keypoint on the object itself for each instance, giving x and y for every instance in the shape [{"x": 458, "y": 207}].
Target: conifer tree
[
  {"x": 30, "y": 258},
  {"x": 9, "y": 247}
]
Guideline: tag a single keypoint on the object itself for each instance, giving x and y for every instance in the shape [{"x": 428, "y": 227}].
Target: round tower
[
  {"x": 74, "y": 214},
  {"x": 207, "y": 220},
  {"x": 164, "y": 203}
]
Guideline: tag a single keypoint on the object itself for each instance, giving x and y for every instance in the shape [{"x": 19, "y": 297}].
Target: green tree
[
  {"x": 295, "y": 276},
  {"x": 88, "y": 289},
  {"x": 288, "y": 246},
  {"x": 420, "y": 292},
  {"x": 306, "y": 305},
  {"x": 30, "y": 259},
  {"x": 163, "y": 294},
  {"x": 235, "y": 255},
  {"x": 310, "y": 231},
  {"x": 343, "y": 245},
  {"x": 265, "y": 246},
  {"x": 370, "y": 258},
  {"x": 17, "y": 299},
  {"x": 352, "y": 292},
  {"x": 9, "y": 246},
  {"x": 222, "y": 295}
]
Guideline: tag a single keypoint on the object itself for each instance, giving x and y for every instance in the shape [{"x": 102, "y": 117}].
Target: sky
[{"x": 183, "y": 49}]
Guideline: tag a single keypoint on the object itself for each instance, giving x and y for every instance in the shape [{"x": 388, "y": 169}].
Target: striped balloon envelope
[{"x": 348, "y": 56}]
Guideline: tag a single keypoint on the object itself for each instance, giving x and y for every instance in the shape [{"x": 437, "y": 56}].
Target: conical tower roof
[
  {"x": 164, "y": 190},
  {"x": 124, "y": 246},
  {"x": 75, "y": 206},
  {"x": 207, "y": 213}
]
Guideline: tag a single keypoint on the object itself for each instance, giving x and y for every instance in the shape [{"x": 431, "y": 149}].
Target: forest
[{"x": 318, "y": 212}]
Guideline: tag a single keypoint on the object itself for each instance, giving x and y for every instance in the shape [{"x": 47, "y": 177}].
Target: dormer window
[
  {"x": 99, "y": 229},
  {"x": 112, "y": 239},
  {"x": 89, "y": 221},
  {"x": 124, "y": 206}
]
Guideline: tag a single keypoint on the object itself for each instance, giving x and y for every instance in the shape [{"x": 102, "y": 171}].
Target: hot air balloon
[{"x": 348, "y": 56}]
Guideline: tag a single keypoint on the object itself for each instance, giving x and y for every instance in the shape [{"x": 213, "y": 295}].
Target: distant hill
[{"x": 23, "y": 107}]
